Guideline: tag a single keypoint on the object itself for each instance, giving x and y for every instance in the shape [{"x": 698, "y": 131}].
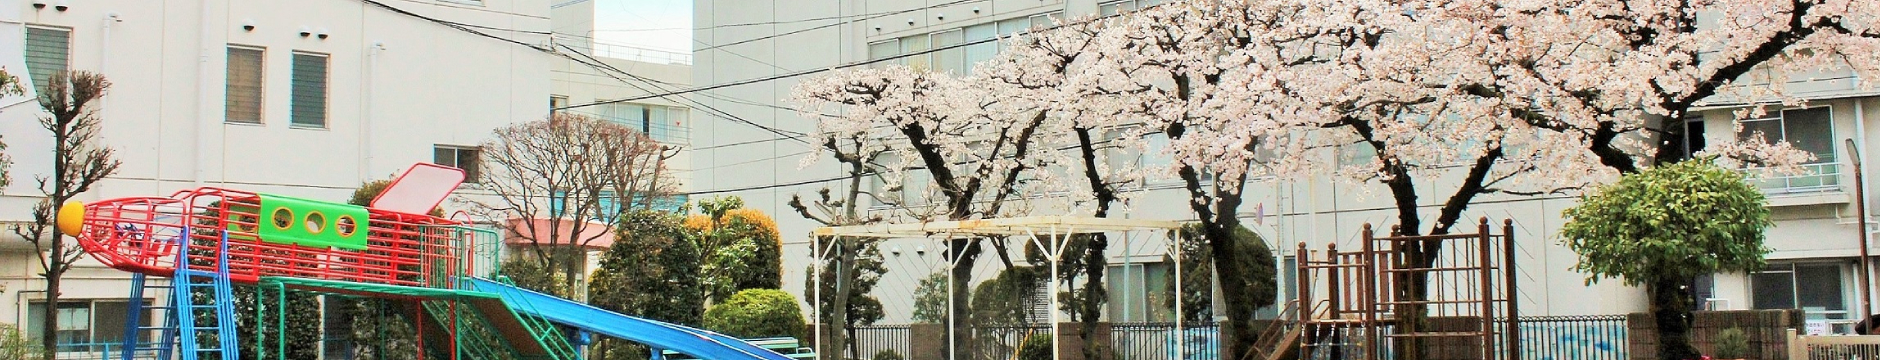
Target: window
[
  {"x": 1807, "y": 129},
  {"x": 1139, "y": 292},
  {"x": 460, "y": 157},
  {"x": 48, "y": 51},
  {"x": 244, "y": 85},
  {"x": 84, "y": 322},
  {"x": 1355, "y": 154},
  {"x": 1816, "y": 288},
  {"x": 557, "y": 102},
  {"x": 979, "y": 52},
  {"x": 914, "y": 186},
  {"x": 608, "y": 205},
  {"x": 913, "y": 45},
  {"x": 664, "y": 124},
  {"x": 1013, "y": 26},
  {"x": 1123, "y": 6},
  {"x": 1810, "y": 130},
  {"x": 884, "y": 49},
  {"x": 1156, "y": 153},
  {"x": 1693, "y": 140},
  {"x": 309, "y": 92},
  {"x": 949, "y": 59}
]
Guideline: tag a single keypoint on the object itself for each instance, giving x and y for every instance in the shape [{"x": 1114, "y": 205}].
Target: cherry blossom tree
[
  {"x": 974, "y": 149},
  {"x": 1523, "y": 97}
]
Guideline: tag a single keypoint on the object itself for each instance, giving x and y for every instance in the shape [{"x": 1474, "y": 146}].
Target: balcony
[{"x": 1818, "y": 184}]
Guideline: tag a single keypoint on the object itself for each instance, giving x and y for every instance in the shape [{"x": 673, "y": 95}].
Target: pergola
[{"x": 1049, "y": 233}]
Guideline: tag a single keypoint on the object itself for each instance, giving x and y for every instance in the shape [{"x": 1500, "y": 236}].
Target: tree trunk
[
  {"x": 1220, "y": 235},
  {"x": 1671, "y": 312},
  {"x": 1094, "y": 264},
  {"x": 50, "y": 317},
  {"x": 839, "y": 309},
  {"x": 1094, "y": 257},
  {"x": 960, "y": 301}
]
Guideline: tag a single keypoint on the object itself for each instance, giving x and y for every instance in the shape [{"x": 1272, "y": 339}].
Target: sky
[{"x": 656, "y": 24}]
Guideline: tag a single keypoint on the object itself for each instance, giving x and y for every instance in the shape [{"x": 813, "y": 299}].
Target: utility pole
[{"x": 1866, "y": 264}]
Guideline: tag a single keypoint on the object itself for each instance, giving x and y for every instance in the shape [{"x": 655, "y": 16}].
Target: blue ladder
[
  {"x": 162, "y": 335},
  {"x": 187, "y": 302}
]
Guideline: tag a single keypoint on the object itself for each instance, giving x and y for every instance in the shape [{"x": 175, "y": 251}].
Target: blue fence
[{"x": 1601, "y": 337}]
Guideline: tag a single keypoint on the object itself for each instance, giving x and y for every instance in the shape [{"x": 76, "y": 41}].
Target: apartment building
[
  {"x": 1814, "y": 242},
  {"x": 299, "y": 98}
]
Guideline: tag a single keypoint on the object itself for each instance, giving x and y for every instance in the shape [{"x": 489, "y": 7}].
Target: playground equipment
[
  {"x": 196, "y": 244},
  {"x": 1429, "y": 297}
]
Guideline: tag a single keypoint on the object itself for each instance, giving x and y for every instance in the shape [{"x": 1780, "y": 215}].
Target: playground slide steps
[
  {"x": 472, "y": 346},
  {"x": 544, "y": 331},
  {"x": 695, "y": 342}
]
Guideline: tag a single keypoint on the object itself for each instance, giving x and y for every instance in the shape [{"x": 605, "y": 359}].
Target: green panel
[{"x": 287, "y": 220}]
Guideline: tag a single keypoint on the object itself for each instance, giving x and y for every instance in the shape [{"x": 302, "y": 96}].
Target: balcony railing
[{"x": 1822, "y": 177}]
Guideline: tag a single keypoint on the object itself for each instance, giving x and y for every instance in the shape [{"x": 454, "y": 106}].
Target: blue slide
[{"x": 659, "y": 335}]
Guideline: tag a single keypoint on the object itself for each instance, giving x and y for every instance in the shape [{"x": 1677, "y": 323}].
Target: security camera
[
  {"x": 39, "y": 4},
  {"x": 62, "y": 5},
  {"x": 304, "y": 32},
  {"x": 322, "y": 33},
  {"x": 975, "y": 9},
  {"x": 922, "y": 250},
  {"x": 248, "y": 24},
  {"x": 941, "y": 17},
  {"x": 910, "y": 21},
  {"x": 896, "y": 251}
]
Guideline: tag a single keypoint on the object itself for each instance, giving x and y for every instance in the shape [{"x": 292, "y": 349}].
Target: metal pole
[
  {"x": 1056, "y": 251},
  {"x": 1866, "y": 263},
  {"x": 1177, "y": 251},
  {"x": 815, "y": 301},
  {"x": 1508, "y": 272},
  {"x": 1488, "y": 290},
  {"x": 953, "y": 346}
]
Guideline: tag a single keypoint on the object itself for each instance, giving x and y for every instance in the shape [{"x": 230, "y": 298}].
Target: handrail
[{"x": 1267, "y": 343}]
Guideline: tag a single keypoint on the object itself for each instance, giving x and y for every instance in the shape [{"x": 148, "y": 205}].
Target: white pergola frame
[{"x": 1057, "y": 230}]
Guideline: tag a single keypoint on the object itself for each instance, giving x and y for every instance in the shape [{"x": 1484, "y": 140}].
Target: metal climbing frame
[
  {"x": 1424, "y": 297},
  {"x": 195, "y": 295},
  {"x": 400, "y": 249}
]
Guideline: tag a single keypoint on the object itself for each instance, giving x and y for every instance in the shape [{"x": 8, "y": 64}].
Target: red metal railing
[{"x": 142, "y": 234}]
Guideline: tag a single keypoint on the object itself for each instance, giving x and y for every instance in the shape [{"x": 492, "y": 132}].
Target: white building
[
  {"x": 300, "y": 98},
  {"x": 623, "y": 77},
  {"x": 1815, "y": 240}
]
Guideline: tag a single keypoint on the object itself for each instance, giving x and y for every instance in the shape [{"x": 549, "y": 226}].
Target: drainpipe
[
  {"x": 365, "y": 113},
  {"x": 204, "y": 102}
]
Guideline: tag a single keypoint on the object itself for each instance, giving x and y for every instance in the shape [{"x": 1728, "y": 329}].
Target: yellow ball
[{"x": 72, "y": 218}]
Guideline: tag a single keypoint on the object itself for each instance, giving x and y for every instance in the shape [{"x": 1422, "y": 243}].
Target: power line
[
  {"x": 453, "y": 24},
  {"x": 841, "y": 66},
  {"x": 804, "y": 30},
  {"x": 467, "y": 28},
  {"x": 604, "y": 68}
]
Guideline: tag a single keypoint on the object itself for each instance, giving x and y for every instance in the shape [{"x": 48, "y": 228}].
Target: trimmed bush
[{"x": 756, "y": 313}]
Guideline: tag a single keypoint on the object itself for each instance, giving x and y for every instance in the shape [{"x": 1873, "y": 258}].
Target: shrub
[
  {"x": 1037, "y": 346},
  {"x": 757, "y": 313},
  {"x": 1732, "y": 343},
  {"x": 887, "y": 354}
]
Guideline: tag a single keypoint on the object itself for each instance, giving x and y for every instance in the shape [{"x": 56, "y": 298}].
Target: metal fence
[
  {"x": 874, "y": 339},
  {"x": 1159, "y": 340},
  {"x": 1601, "y": 337}
]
